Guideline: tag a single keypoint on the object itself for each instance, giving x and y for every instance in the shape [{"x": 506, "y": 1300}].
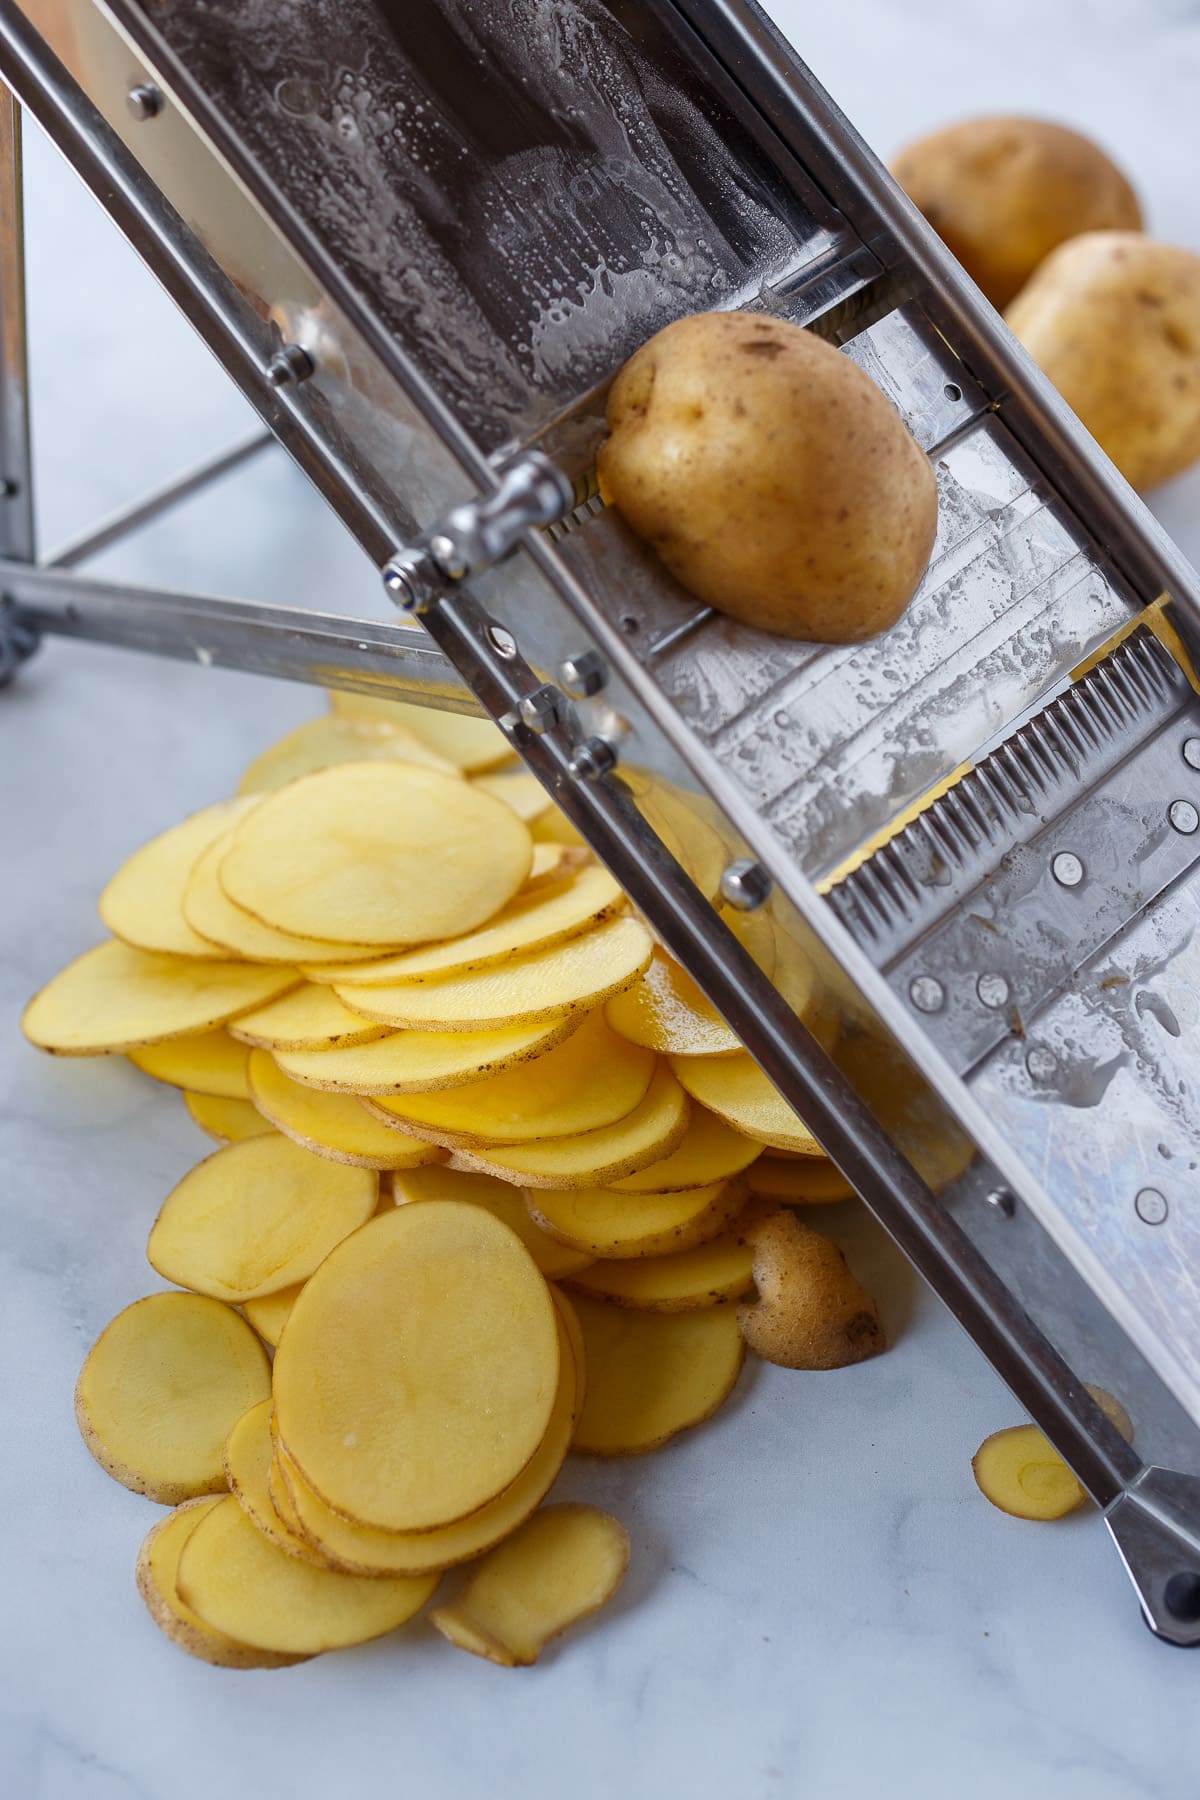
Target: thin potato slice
[
  {"x": 210, "y": 911},
  {"x": 281, "y": 1500},
  {"x": 410, "y": 1062},
  {"x": 666, "y": 1011},
  {"x": 798, "y": 1181},
  {"x": 257, "y": 1216},
  {"x": 116, "y": 998},
  {"x": 334, "y": 1125},
  {"x": 571, "y": 977},
  {"x": 418, "y": 1370},
  {"x": 735, "y": 1088},
  {"x": 241, "y": 1584},
  {"x": 709, "y": 1151},
  {"x": 269, "y": 1313},
  {"x": 310, "y": 1018},
  {"x": 143, "y": 903},
  {"x": 227, "y": 1120},
  {"x": 161, "y": 1390},
  {"x": 346, "y": 855},
  {"x": 518, "y": 789},
  {"x": 211, "y": 1062},
  {"x": 471, "y": 744},
  {"x": 591, "y": 1080},
  {"x": 553, "y": 863},
  {"x": 600, "y": 1222},
  {"x": 322, "y": 743},
  {"x": 593, "y": 1158},
  {"x": 693, "y": 840},
  {"x": 561, "y": 1566},
  {"x": 436, "y": 1182},
  {"x": 709, "y": 1275},
  {"x": 248, "y": 1451},
  {"x": 157, "y": 1568},
  {"x": 652, "y": 1375},
  {"x": 1021, "y": 1472},
  {"x": 554, "y": 827}
]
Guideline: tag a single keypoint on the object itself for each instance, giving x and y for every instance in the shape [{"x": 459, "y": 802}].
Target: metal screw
[
  {"x": 1002, "y": 1200},
  {"x": 992, "y": 990},
  {"x": 1191, "y": 752},
  {"x": 541, "y": 710},
  {"x": 290, "y": 365},
  {"x": 594, "y": 758},
  {"x": 1184, "y": 817},
  {"x": 8, "y": 489},
  {"x": 745, "y": 885},
  {"x": 584, "y": 675},
  {"x": 502, "y": 641},
  {"x": 144, "y": 101},
  {"x": 412, "y": 579},
  {"x": 1067, "y": 869},
  {"x": 927, "y": 994},
  {"x": 1151, "y": 1206},
  {"x": 1041, "y": 1063}
]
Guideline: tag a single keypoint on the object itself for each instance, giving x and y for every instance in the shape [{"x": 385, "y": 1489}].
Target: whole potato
[
  {"x": 1003, "y": 193},
  {"x": 1114, "y": 320},
  {"x": 771, "y": 475}
]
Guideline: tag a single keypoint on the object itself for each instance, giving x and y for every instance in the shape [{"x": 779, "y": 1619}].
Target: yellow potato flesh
[
  {"x": 693, "y": 840},
  {"x": 161, "y": 1390},
  {"x": 157, "y": 1569},
  {"x": 535, "y": 920},
  {"x": 471, "y": 744},
  {"x": 1020, "y": 1471},
  {"x": 710, "y": 1274},
  {"x": 143, "y": 903},
  {"x": 436, "y": 1182},
  {"x": 591, "y": 1080},
  {"x": 208, "y": 908},
  {"x": 409, "y": 1062},
  {"x": 376, "y": 853},
  {"x": 418, "y": 1370},
  {"x": 257, "y": 1216},
  {"x": 518, "y": 789},
  {"x": 554, "y": 827},
  {"x": 735, "y": 1088},
  {"x": 666, "y": 1011},
  {"x": 321, "y": 743},
  {"x": 601, "y": 1222},
  {"x": 248, "y": 1451},
  {"x": 709, "y": 1151},
  {"x": 561, "y": 1566},
  {"x": 269, "y": 1314},
  {"x": 309, "y": 1018},
  {"x": 593, "y": 1158},
  {"x": 651, "y": 1375},
  {"x": 211, "y": 1062},
  {"x": 804, "y": 1181},
  {"x": 333, "y": 1125},
  {"x": 241, "y": 1584},
  {"x": 227, "y": 1120},
  {"x": 567, "y": 978},
  {"x": 116, "y": 998}
]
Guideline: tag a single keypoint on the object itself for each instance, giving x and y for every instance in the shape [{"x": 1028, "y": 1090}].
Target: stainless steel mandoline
[{"x": 421, "y": 238}]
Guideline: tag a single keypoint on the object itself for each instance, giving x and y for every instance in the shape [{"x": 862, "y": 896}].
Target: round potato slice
[
  {"x": 257, "y": 1216},
  {"x": 211, "y": 1062},
  {"x": 161, "y": 1390},
  {"x": 347, "y": 855},
  {"x": 591, "y": 1080},
  {"x": 248, "y": 1452},
  {"x": 437, "y": 1182},
  {"x": 322, "y": 743},
  {"x": 227, "y": 1120},
  {"x": 593, "y": 1158},
  {"x": 117, "y": 998},
  {"x": 143, "y": 903},
  {"x": 409, "y": 1062},
  {"x": 710, "y": 1274},
  {"x": 269, "y": 1313},
  {"x": 334, "y": 1125},
  {"x": 157, "y": 1568},
  {"x": 309, "y": 1018},
  {"x": 651, "y": 1375},
  {"x": 240, "y": 1583},
  {"x": 709, "y": 1151},
  {"x": 210, "y": 911},
  {"x": 518, "y": 789},
  {"x": 666, "y": 1011},
  {"x": 471, "y": 744},
  {"x": 600, "y": 1222},
  {"x": 735, "y": 1088},
  {"x": 798, "y": 1181},
  {"x": 418, "y": 1370}
]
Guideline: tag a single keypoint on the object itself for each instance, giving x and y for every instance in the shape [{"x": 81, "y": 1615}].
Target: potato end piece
[
  {"x": 1022, "y": 1474},
  {"x": 811, "y": 1312}
]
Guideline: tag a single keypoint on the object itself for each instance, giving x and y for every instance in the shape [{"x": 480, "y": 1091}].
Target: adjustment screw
[
  {"x": 584, "y": 675},
  {"x": 1067, "y": 869},
  {"x": 288, "y": 366},
  {"x": 1002, "y": 1201},
  {"x": 541, "y": 710},
  {"x": 745, "y": 885},
  {"x": 1184, "y": 817},
  {"x": 594, "y": 758},
  {"x": 144, "y": 101},
  {"x": 927, "y": 994}
]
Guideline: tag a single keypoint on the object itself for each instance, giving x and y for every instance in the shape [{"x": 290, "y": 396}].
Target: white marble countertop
[{"x": 819, "y": 1602}]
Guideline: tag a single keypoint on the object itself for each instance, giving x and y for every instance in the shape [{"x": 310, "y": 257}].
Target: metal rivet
[
  {"x": 144, "y": 101},
  {"x": 927, "y": 994},
  {"x": 1184, "y": 817},
  {"x": 289, "y": 365},
  {"x": 541, "y": 710},
  {"x": 1041, "y": 1063},
  {"x": 1002, "y": 1200},
  {"x": 1181, "y": 1596},
  {"x": 1067, "y": 869},
  {"x": 1151, "y": 1206},
  {"x": 992, "y": 990},
  {"x": 8, "y": 489},
  {"x": 593, "y": 758},
  {"x": 745, "y": 885},
  {"x": 1191, "y": 752},
  {"x": 502, "y": 641},
  {"x": 584, "y": 675}
]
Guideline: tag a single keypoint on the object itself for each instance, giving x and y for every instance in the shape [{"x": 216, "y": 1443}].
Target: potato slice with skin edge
[
  {"x": 227, "y": 1120},
  {"x": 257, "y": 1216},
  {"x": 241, "y": 1584},
  {"x": 269, "y": 1313},
  {"x": 561, "y": 1566},
  {"x": 281, "y": 1500},
  {"x": 248, "y": 1452},
  {"x": 309, "y": 1018},
  {"x": 471, "y": 744},
  {"x": 210, "y": 1062},
  {"x": 710, "y": 1274},
  {"x": 161, "y": 1389},
  {"x": 210, "y": 911},
  {"x": 412, "y": 1062},
  {"x": 143, "y": 903},
  {"x": 652, "y": 1375},
  {"x": 115, "y": 998},
  {"x": 572, "y": 977},
  {"x": 802, "y": 1181},
  {"x": 735, "y": 1088},
  {"x": 666, "y": 1012},
  {"x": 337, "y": 1126},
  {"x": 345, "y": 855},
  {"x": 591, "y": 1080},
  {"x": 1022, "y": 1474},
  {"x": 417, "y": 1373},
  {"x": 709, "y": 1151},
  {"x": 157, "y": 1567},
  {"x": 602, "y": 1223},
  {"x": 325, "y": 741},
  {"x": 437, "y": 1182},
  {"x": 593, "y": 1158}
]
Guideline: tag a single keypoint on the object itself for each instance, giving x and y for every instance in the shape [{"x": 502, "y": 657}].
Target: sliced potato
[
  {"x": 1021, "y": 1472},
  {"x": 735, "y": 1088},
  {"x": 257, "y": 1216},
  {"x": 601, "y": 1222},
  {"x": 227, "y": 1120},
  {"x": 554, "y": 827},
  {"x": 281, "y": 1500},
  {"x": 248, "y": 1451},
  {"x": 553, "y": 863},
  {"x": 210, "y": 1062},
  {"x": 345, "y": 855},
  {"x": 651, "y": 1375},
  {"x": 410, "y": 1062},
  {"x": 117, "y": 998},
  {"x": 418, "y": 1370},
  {"x": 210, "y": 911},
  {"x": 437, "y": 1182},
  {"x": 592, "y": 1079},
  {"x": 240, "y": 1583},
  {"x": 666, "y": 1011},
  {"x": 321, "y": 743},
  {"x": 798, "y": 1180},
  {"x": 593, "y": 1158},
  {"x": 334, "y": 1125},
  {"x": 470, "y": 743},
  {"x": 561, "y": 1566},
  {"x": 710, "y": 1274},
  {"x": 161, "y": 1390},
  {"x": 143, "y": 903},
  {"x": 709, "y": 1151},
  {"x": 518, "y": 789},
  {"x": 309, "y": 1018},
  {"x": 686, "y": 823},
  {"x": 269, "y": 1313},
  {"x": 157, "y": 1568}
]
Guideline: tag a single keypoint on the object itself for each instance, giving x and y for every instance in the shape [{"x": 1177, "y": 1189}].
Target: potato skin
[
  {"x": 1114, "y": 320},
  {"x": 771, "y": 475},
  {"x": 1002, "y": 193}
]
